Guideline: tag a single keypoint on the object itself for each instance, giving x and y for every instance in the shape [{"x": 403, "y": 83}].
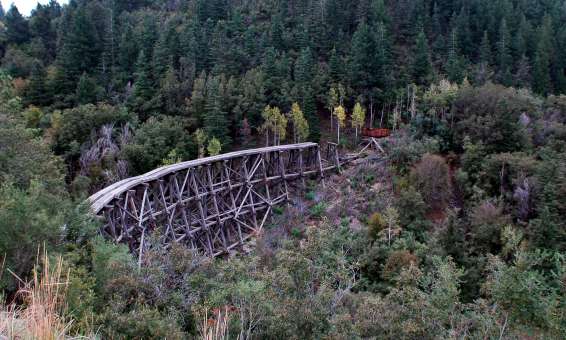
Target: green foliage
[
  {"x": 490, "y": 265},
  {"x": 143, "y": 322},
  {"x": 318, "y": 210},
  {"x": 310, "y": 195},
  {"x": 422, "y": 68},
  {"x": 412, "y": 209},
  {"x": 490, "y": 114},
  {"x": 214, "y": 147},
  {"x": 375, "y": 225},
  {"x": 25, "y": 158},
  {"x": 30, "y": 219},
  {"x": 529, "y": 298},
  {"x": 78, "y": 123},
  {"x": 154, "y": 140},
  {"x": 407, "y": 151}
]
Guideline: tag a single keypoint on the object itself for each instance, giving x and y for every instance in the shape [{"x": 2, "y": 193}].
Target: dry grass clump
[{"x": 41, "y": 315}]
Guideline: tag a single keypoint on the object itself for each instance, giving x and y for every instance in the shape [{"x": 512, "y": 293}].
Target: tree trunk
[
  {"x": 332, "y": 120},
  {"x": 371, "y": 113}
]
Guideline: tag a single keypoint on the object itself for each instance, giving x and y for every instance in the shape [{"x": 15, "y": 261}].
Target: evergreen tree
[
  {"x": 36, "y": 91},
  {"x": 128, "y": 52},
  {"x": 422, "y": 68},
  {"x": 437, "y": 32},
  {"x": 303, "y": 79},
  {"x": 86, "y": 90},
  {"x": 542, "y": 63},
  {"x": 363, "y": 58},
  {"x": 163, "y": 56},
  {"x": 41, "y": 25},
  {"x": 80, "y": 52},
  {"x": 17, "y": 28},
  {"x": 382, "y": 57},
  {"x": 335, "y": 67},
  {"x": 522, "y": 77},
  {"x": 454, "y": 67},
  {"x": 198, "y": 98},
  {"x": 465, "y": 39},
  {"x": 277, "y": 30},
  {"x": 485, "y": 49},
  {"x": 272, "y": 79},
  {"x": 215, "y": 122},
  {"x": 143, "y": 86},
  {"x": 504, "y": 59},
  {"x": 378, "y": 12}
]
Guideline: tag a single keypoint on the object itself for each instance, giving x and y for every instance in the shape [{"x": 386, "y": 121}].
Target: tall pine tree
[
  {"x": 504, "y": 59},
  {"x": 422, "y": 67},
  {"x": 215, "y": 119}
]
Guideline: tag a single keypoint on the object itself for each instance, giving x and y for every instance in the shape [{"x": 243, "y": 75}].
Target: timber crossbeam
[{"x": 212, "y": 205}]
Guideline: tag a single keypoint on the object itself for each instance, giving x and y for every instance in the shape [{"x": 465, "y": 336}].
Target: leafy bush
[
  {"x": 154, "y": 140},
  {"x": 318, "y": 210},
  {"x": 487, "y": 221},
  {"x": 78, "y": 123},
  {"x": 138, "y": 323},
  {"x": 407, "y": 151},
  {"x": 490, "y": 115},
  {"x": 29, "y": 220},
  {"x": 24, "y": 158},
  {"x": 376, "y": 224}
]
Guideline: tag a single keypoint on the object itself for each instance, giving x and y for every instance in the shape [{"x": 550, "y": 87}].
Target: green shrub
[
  {"x": 29, "y": 220},
  {"x": 154, "y": 140},
  {"x": 490, "y": 115},
  {"x": 407, "y": 151},
  {"x": 412, "y": 209},
  {"x": 376, "y": 224},
  {"x": 318, "y": 210},
  {"x": 78, "y": 123},
  {"x": 138, "y": 323},
  {"x": 310, "y": 195}
]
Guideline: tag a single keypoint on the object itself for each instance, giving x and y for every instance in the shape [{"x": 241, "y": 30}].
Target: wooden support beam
[{"x": 212, "y": 205}]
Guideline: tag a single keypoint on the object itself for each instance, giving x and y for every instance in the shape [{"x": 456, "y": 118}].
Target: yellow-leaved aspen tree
[
  {"x": 358, "y": 118},
  {"x": 340, "y": 114},
  {"x": 274, "y": 123},
  {"x": 214, "y": 147},
  {"x": 200, "y": 138},
  {"x": 268, "y": 122},
  {"x": 280, "y": 126},
  {"x": 300, "y": 124}
]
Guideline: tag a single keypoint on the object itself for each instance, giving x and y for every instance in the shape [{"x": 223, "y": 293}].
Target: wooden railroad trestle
[{"x": 213, "y": 204}]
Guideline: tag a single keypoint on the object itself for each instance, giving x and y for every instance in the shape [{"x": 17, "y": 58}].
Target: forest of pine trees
[
  {"x": 217, "y": 62},
  {"x": 455, "y": 231}
]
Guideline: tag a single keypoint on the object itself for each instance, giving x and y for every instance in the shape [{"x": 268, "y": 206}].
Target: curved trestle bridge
[{"x": 213, "y": 204}]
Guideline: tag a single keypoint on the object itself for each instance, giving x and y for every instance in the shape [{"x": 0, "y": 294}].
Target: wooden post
[{"x": 213, "y": 204}]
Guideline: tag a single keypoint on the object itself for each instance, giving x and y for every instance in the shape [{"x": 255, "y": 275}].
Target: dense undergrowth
[{"x": 459, "y": 233}]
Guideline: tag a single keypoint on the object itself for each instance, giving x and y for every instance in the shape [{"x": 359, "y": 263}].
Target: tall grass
[{"x": 41, "y": 315}]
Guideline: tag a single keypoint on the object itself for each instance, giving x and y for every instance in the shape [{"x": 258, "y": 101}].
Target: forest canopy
[{"x": 455, "y": 230}]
